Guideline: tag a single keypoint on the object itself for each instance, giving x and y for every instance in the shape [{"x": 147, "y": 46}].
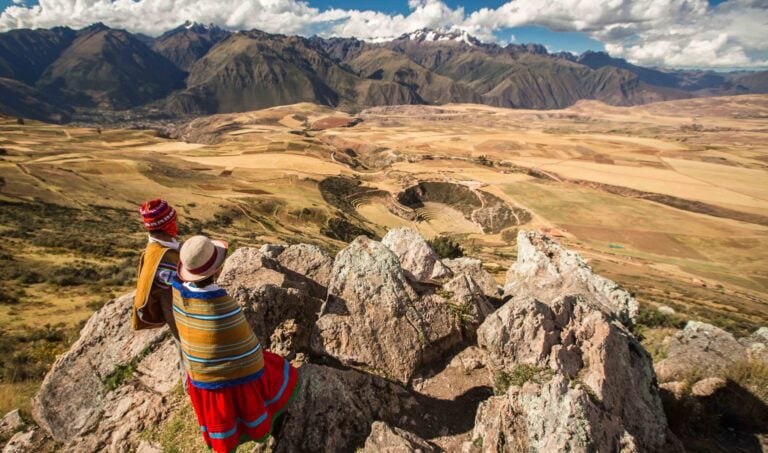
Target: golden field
[{"x": 669, "y": 199}]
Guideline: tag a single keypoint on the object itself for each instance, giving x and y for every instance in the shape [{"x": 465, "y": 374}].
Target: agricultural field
[{"x": 669, "y": 199}]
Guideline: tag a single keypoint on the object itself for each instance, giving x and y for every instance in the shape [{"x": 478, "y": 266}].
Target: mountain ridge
[{"x": 202, "y": 69}]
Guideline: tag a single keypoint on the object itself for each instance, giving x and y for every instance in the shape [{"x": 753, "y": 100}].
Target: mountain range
[{"x": 196, "y": 69}]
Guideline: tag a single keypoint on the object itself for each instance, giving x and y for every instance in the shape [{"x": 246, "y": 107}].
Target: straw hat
[{"x": 200, "y": 258}]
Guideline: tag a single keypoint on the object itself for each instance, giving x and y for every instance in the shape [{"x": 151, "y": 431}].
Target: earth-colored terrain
[{"x": 669, "y": 199}]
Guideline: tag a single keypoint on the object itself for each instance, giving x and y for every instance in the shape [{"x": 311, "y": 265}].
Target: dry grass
[
  {"x": 253, "y": 178},
  {"x": 17, "y": 395},
  {"x": 180, "y": 433}
]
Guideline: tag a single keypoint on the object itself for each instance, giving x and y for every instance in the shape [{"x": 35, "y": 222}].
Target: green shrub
[
  {"x": 445, "y": 247},
  {"x": 519, "y": 376},
  {"x": 9, "y": 297},
  {"x": 652, "y": 318}
]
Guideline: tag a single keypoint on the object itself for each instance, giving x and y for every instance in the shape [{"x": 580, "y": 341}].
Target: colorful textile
[
  {"x": 218, "y": 345},
  {"x": 248, "y": 410},
  {"x": 166, "y": 270},
  {"x": 152, "y": 291},
  {"x": 159, "y": 215}
]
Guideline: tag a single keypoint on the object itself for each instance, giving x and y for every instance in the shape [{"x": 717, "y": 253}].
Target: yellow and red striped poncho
[{"x": 218, "y": 345}]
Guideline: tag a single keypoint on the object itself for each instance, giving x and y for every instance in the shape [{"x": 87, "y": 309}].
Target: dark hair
[{"x": 206, "y": 281}]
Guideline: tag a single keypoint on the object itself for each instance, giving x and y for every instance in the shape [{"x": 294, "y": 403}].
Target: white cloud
[{"x": 673, "y": 33}]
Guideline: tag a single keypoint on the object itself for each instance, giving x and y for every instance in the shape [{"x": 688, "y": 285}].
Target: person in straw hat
[{"x": 237, "y": 388}]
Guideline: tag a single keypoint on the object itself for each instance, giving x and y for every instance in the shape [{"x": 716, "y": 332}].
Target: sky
[{"x": 716, "y": 34}]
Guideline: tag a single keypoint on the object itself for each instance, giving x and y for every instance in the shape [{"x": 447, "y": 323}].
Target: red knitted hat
[{"x": 157, "y": 214}]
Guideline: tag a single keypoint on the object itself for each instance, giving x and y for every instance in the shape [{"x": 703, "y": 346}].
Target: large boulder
[
  {"x": 280, "y": 303},
  {"x": 387, "y": 439},
  {"x": 10, "y": 424},
  {"x": 468, "y": 302},
  {"x": 373, "y": 318},
  {"x": 757, "y": 345},
  {"x": 333, "y": 409},
  {"x": 75, "y": 404},
  {"x": 580, "y": 344},
  {"x": 473, "y": 268},
  {"x": 418, "y": 260},
  {"x": 541, "y": 417},
  {"x": 699, "y": 348},
  {"x": 545, "y": 270},
  {"x": 303, "y": 261}
]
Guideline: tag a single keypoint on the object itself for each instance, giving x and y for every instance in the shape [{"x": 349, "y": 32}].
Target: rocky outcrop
[
  {"x": 280, "y": 289},
  {"x": 700, "y": 348},
  {"x": 474, "y": 268},
  {"x": 419, "y": 262},
  {"x": 75, "y": 403},
  {"x": 469, "y": 305},
  {"x": 23, "y": 442},
  {"x": 387, "y": 439},
  {"x": 545, "y": 270},
  {"x": 334, "y": 409},
  {"x": 10, "y": 424},
  {"x": 757, "y": 345},
  {"x": 542, "y": 417},
  {"x": 603, "y": 379},
  {"x": 374, "y": 319},
  {"x": 580, "y": 381},
  {"x": 570, "y": 374},
  {"x": 711, "y": 385}
]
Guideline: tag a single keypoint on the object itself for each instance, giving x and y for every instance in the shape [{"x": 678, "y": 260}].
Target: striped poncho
[{"x": 218, "y": 345}]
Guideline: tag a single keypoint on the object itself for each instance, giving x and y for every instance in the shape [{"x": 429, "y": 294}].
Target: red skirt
[{"x": 246, "y": 410}]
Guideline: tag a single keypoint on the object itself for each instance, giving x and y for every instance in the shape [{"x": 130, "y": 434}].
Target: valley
[{"x": 668, "y": 199}]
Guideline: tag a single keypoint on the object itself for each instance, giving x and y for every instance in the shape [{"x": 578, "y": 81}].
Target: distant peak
[
  {"x": 441, "y": 34},
  {"x": 98, "y": 26},
  {"x": 196, "y": 27}
]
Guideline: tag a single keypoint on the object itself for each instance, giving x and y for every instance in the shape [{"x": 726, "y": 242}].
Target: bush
[
  {"x": 30, "y": 277},
  {"x": 519, "y": 376},
  {"x": 8, "y": 298},
  {"x": 651, "y": 318},
  {"x": 445, "y": 247}
]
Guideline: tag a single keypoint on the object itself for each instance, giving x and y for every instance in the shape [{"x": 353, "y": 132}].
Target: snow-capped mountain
[{"x": 431, "y": 35}]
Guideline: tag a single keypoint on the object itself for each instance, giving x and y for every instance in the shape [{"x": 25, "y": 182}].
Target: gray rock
[
  {"x": 470, "y": 305},
  {"x": 417, "y": 258},
  {"x": 387, "y": 439},
  {"x": 757, "y": 345},
  {"x": 615, "y": 406},
  {"x": 665, "y": 310},
  {"x": 272, "y": 250},
  {"x": 474, "y": 268},
  {"x": 373, "y": 317},
  {"x": 309, "y": 261},
  {"x": 22, "y": 442},
  {"x": 250, "y": 268},
  {"x": 73, "y": 400},
  {"x": 11, "y": 423},
  {"x": 545, "y": 270},
  {"x": 280, "y": 304},
  {"x": 125, "y": 414},
  {"x": 699, "y": 347},
  {"x": 334, "y": 409}
]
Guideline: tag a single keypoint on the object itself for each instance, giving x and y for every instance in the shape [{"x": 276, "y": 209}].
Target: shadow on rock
[
  {"x": 449, "y": 417},
  {"x": 731, "y": 418}
]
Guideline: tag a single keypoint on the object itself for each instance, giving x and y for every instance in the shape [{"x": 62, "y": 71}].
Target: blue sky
[{"x": 666, "y": 33}]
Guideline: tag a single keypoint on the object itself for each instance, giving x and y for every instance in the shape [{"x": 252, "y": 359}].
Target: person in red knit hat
[
  {"x": 238, "y": 389},
  {"x": 153, "y": 302}
]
